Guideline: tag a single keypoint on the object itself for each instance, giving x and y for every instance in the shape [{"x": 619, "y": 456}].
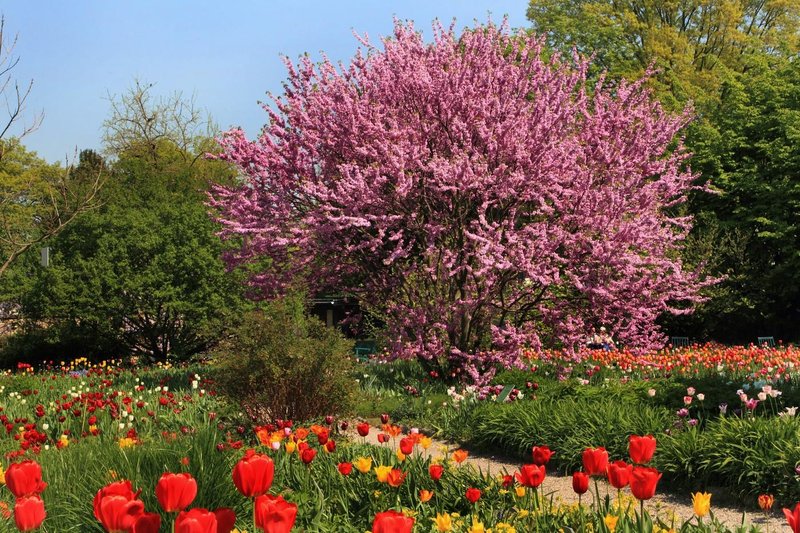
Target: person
[
  {"x": 595, "y": 342},
  {"x": 606, "y": 342}
]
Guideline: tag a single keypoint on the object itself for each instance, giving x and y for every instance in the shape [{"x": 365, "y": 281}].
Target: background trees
[
  {"x": 37, "y": 200},
  {"x": 142, "y": 274},
  {"x": 470, "y": 193},
  {"x": 735, "y": 62}
]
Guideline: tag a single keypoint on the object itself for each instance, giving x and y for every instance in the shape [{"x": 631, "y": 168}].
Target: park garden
[{"x": 463, "y": 208}]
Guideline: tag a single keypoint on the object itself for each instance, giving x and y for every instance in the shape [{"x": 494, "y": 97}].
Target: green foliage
[
  {"x": 143, "y": 274},
  {"x": 733, "y": 61},
  {"x": 749, "y": 456},
  {"x": 136, "y": 281},
  {"x": 279, "y": 363},
  {"x": 749, "y": 231},
  {"x": 566, "y": 425}
]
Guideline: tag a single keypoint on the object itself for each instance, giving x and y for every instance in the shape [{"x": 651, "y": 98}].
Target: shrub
[{"x": 279, "y": 363}]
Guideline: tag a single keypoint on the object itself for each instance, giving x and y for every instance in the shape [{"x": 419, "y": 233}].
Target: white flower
[
  {"x": 762, "y": 396},
  {"x": 651, "y": 392},
  {"x": 775, "y": 393},
  {"x": 122, "y": 425},
  {"x": 701, "y": 397},
  {"x": 690, "y": 391},
  {"x": 45, "y": 426}
]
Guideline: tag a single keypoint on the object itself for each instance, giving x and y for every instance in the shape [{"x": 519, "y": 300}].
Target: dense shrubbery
[{"x": 279, "y": 363}]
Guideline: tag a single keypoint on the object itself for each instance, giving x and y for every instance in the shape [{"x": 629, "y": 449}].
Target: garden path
[{"x": 559, "y": 486}]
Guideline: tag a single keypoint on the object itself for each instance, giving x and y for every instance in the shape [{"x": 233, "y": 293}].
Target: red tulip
[
  {"x": 541, "y": 455},
  {"x": 436, "y": 472},
  {"x": 274, "y": 514},
  {"x": 345, "y": 468},
  {"x": 29, "y": 513},
  {"x": 323, "y": 436},
  {"x": 25, "y": 479},
  {"x": 407, "y": 445},
  {"x": 147, "y": 523},
  {"x": 473, "y": 495},
  {"x": 363, "y": 429},
  {"x": 396, "y": 477},
  {"x": 196, "y": 521},
  {"x": 595, "y": 461},
  {"x": 175, "y": 492},
  {"x": 226, "y": 519},
  {"x": 118, "y": 513},
  {"x": 793, "y": 518},
  {"x": 619, "y": 474},
  {"x": 383, "y": 438},
  {"x": 330, "y": 446},
  {"x": 253, "y": 474},
  {"x": 531, "y": 475},
  {"x": 392, "y": 522},
  {"x": 580, "y": 482},
  {"x": 641, "y": 449},
  {"x": 118, "y": 488},
  {"x": 308, "y": 455},
  {"x": 384, "y": 418},
  {"x": 643, "y": 482}
]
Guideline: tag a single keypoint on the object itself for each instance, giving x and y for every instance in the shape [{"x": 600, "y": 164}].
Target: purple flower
[
  {"x": 683, "y": 413},
  {"x": 692, "y": 422},
  {"x": 751, "y": 404}
]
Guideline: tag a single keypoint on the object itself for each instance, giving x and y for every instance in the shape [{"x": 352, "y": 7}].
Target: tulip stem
[
  {"x": 641, "y": 515},
  {"x": 254, "y": 516}
]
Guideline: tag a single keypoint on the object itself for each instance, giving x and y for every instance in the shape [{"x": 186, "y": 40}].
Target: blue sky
[{"x": 225, "y": 53}]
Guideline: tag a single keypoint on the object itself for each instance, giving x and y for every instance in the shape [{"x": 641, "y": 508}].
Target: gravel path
[{"x": 560, "y": 487}]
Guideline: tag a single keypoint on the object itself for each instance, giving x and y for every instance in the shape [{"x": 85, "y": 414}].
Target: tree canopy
[{"x": 472, "y": 193}]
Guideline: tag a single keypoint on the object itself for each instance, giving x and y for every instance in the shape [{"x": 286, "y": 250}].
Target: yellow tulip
[
  {"x": 701, "y": 501},
  {"x": 290, "y": 446},
  {"x": 443, "y": 522},
  {"x": 477, "y": 527},
  {"x": 400, "y": 455},
  {"x": 520, "y": 491},
  {"x": 363, "y": 464},
  {"x": 382, "y": 473},
  {"x": 611, "y": 522},
  {"x": 425, "y": 442}
]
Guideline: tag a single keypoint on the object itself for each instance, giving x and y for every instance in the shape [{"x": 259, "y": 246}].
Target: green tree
[
  {"x": 749, "y": 231},
  {"x": 142, "y": 274},
  {"x": 735, "y": 61},
  {"x": 690, "y": 41},
  {"x": 37, "y": 200}
]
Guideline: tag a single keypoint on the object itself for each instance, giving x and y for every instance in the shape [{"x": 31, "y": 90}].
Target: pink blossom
[{"x": 478, "y": 196}]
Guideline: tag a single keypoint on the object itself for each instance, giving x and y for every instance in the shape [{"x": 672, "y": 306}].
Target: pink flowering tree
[{"x": 480, "y": 199}]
